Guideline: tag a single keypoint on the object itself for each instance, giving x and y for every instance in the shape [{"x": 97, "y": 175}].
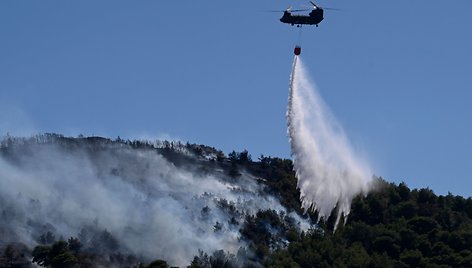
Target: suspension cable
[{"x": 299, "y": 40}]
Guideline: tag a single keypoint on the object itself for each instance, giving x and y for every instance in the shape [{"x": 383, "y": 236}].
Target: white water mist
[{"x": 328, "y": 170}]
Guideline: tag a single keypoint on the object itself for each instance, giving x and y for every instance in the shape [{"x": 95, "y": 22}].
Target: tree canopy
[{"x": 392, "y": 226}]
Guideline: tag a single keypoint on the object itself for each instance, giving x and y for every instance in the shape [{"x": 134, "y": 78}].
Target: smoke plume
[
  {"x": 153, "y": 208},
  {"x": 329, "y": 173}
]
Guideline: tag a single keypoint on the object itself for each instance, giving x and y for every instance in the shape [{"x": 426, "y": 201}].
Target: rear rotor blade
[
  {"x": 332, "y": 9},
  {"x": 289, "y": 10},
  {"x": 313, "y": 3},
  {"x": 326, "y": 8},
  {"x": 300, "y": 10}
]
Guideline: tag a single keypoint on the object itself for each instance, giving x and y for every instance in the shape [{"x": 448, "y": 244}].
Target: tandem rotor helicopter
[{"x": 313, "y": 18}]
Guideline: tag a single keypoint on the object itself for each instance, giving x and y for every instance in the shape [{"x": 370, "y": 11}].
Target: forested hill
[{"x": 98, "y": 202}]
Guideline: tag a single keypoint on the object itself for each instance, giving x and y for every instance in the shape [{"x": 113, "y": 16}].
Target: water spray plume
[{"x": 329, "y": 173}]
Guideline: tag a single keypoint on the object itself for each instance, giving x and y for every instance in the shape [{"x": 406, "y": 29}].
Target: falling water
[{"x": 330, "y": 174}]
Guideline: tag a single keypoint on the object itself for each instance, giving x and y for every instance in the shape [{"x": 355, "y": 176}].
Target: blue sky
[{"x": 396, "y": 74}]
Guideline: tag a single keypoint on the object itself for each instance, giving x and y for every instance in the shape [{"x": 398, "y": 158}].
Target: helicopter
[{"x": 313, "y": 18}]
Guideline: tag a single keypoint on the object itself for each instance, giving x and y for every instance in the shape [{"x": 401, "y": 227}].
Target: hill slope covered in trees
[{"x": 97, "y": 202}]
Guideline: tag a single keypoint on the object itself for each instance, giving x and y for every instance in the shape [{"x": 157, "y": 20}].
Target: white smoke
[
  {"x": 152, "y": 207},
  {"x": 329, "y": 173}
]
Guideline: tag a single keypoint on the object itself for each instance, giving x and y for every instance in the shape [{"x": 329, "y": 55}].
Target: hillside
[{"x": 98, "y": 202}]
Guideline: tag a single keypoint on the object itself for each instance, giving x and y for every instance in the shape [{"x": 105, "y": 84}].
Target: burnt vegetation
[{"x": 394, "y": 226}]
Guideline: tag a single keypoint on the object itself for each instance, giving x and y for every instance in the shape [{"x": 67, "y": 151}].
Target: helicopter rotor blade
[
  {"x": 314, "y": 5},
  {"x": 289, "y": 10},
  {"x": 332, "y": 9},
  {"x": 325, "y": 8}
]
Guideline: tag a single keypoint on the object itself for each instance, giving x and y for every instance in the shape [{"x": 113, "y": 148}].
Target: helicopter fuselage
[{"x": 315, "y": 17}]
